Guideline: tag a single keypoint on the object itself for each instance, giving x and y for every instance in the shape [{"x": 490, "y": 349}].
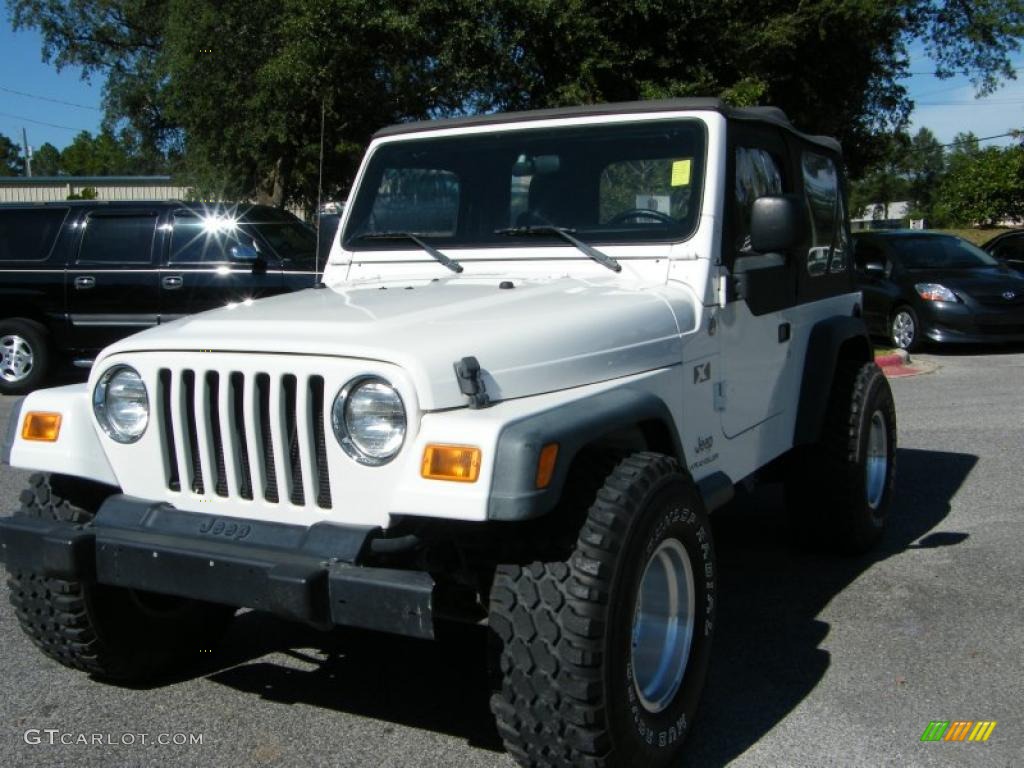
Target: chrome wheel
[
  {"x": 663, "y": 620},
  {"x": 877, "y": 462},
  {"x": 903, "y": 329},
  {"x": 16, "y": 358}
]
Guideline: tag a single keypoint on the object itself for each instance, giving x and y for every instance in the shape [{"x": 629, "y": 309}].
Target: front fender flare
[{"x": 514, "y": 495}]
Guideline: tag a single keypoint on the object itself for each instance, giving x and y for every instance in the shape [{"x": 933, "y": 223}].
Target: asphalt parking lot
[{"x": 818, "y": 661}]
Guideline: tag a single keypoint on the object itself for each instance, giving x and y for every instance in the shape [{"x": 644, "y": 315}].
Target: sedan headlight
[
  {"x": 369, "y": 421},
  {"x": 935, "y": 292},
  {"x": 121, "y": 404}
]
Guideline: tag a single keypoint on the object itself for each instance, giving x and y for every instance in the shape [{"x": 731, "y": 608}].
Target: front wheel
[
  {"x": 24, "y": 356},
  {"x": 905, "y": 330},
  {"x": 114, "y": 633},
  {"x": 604, "y": 653}
]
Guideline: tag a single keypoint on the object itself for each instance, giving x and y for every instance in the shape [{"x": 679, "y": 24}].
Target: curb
[{"x": 896, "y": 359}]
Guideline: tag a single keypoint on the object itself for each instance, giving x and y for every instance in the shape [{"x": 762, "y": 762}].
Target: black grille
[
  {"x": 220, "y": 485},
  {"x": 291, "y": 429},
  {"x": 266, "y": 442}
]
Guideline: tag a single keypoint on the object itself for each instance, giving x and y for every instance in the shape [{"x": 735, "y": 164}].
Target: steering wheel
[{"x": 640, "y": 213}]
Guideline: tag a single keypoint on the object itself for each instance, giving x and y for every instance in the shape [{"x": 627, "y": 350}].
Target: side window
[
  {"x": 118, "y": 239},
  {"x": 757, "y": 175},
  {"x": 829, "y": 250},
  {"x": 29, "y": 235},
  {"x": 195, "y": 240},
  {"x": 1011, "y": 248},
  {"x": 420, "y": 200},
  {"x": 661, "y": 185},
  {"x": 867, "y": 252}
]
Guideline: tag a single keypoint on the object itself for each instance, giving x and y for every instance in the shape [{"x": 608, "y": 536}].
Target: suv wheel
[
  {"x": 604, "y": 653},
  {"x": 839, "y": 489},
  {"x": 905, "y": 330},
  {"x": 24, "y": 356},
  {"x": 114, "y": 633}
]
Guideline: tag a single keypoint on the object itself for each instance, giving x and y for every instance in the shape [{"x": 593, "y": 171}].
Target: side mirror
[
  {"x": 778, "y": 223},
  {"x": 244, "y": 253}
]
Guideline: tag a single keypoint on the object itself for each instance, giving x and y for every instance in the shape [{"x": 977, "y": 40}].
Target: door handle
[
  {"x": 172, "y": 282},
  {"x": 784, "y": 333},
  {"x": 85, "y": 282}
]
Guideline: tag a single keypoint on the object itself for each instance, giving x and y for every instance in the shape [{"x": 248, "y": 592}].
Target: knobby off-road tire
[
  {"x": 572, "y": 647},
  {"x": 839, "y": 489},
  {"x": 117, "y": 634}
]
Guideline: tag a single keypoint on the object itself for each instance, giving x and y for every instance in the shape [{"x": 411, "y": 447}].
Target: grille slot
[
  {"x": 237, "y": 384},
  {"x": 188, "y": 380},
  {"x": 220, "y": 485},
  {"x": 167, "y": 427},
  {"x": 266, "y": 439},
  {"x": 297, "y": 495},
  {"x": 316, "y": 399}
]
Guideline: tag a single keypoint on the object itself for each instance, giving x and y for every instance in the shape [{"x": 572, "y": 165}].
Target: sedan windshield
[
  {"x": 638, "y": 182},
  {"x": 931, "y": 252}
]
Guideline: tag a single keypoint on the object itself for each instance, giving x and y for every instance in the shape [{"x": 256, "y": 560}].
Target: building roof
[
  {"x": 772, "y": 115},
  {"x": 78, "y": 180}
]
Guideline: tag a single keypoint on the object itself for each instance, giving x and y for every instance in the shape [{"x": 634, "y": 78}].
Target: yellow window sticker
[{"x": 681, "y": 173}]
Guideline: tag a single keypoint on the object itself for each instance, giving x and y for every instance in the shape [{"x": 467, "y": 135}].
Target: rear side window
[
  {"x": 29, "y": 235},
  {"x": 757, "y": 175},
  {"x": 118, "y": 239},
  {"x": 829, "y": 250}
]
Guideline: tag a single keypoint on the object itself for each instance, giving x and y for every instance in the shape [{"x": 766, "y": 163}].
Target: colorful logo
[{"x": 958, "y": 730}]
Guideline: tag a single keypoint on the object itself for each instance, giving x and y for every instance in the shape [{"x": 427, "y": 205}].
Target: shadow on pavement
[{"x": 766, "y": 658}]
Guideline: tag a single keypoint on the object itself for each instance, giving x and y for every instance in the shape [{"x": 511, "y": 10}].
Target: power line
[
  {"x": 40, "y": 122},
  {"x": 47, "y": 98}
]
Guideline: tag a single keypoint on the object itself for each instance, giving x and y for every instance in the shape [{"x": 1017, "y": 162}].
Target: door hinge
[{"x": 719, "y": 395}]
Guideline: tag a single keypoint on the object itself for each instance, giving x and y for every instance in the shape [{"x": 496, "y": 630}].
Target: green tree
[
  {"x": 46, "y": 160},
  {"x": 926, "y": 166},
  {"x": 240, "y": 85},
  {"x": 984, "y": 187},
  {"x": 11, "y": 161}
]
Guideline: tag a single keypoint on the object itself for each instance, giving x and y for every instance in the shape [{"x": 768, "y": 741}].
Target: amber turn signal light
[
  {"x": 459, "y": 463},
  {"x": 546, "y": 464},
  {"x": 39, "y": 425}
]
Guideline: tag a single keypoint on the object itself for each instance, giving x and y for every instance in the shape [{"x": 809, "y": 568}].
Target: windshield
[
  {"x": 931, "y": 252},
  {"x": 638, "y": 182}
]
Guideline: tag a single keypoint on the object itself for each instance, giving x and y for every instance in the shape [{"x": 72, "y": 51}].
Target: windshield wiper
[
  {"x": 566, "y": 234},
  {"x": 452, "y": 264}
]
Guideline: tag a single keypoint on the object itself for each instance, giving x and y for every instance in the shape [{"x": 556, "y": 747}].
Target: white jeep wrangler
[{"x": 546, "y": 346}]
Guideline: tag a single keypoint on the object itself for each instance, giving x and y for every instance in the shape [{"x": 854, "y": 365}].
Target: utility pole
[{"x": 28, "y": 152}]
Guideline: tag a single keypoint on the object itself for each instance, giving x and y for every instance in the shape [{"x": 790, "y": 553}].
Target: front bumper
[
  {"x": 949, "y": 323},
  {"x": 304, "y": 574}
]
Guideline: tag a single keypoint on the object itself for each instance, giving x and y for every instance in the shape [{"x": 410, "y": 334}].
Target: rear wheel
[
  {"x": 119, "y": 634},
  {"x": 24, "y": 355},
  {"x": 604, "y": 652},
  {"x": 839, "y": 489}
]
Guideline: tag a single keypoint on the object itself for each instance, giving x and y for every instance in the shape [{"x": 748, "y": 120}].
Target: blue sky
[{"x": 945, "y": 106}]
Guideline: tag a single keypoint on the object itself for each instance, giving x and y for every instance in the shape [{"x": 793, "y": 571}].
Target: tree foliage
[
  {"x": 239, "y": 86},
  {"x": 11, "y": 162},
  {"x": 46, "y": 160},
  {"x": 984, "y": 187}
]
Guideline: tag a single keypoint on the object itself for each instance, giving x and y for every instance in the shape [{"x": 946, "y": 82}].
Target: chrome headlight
[
  {"x": 369, "y": 422},
  {"x": 121, "y": 404},
  {"x": 935, "y": 292}
]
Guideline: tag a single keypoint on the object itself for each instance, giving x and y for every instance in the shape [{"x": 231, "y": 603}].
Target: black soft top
[{"x": 772, "y": 115}]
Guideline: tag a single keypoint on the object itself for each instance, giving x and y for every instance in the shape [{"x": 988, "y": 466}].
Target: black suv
[{"x": 75, "y": 277}]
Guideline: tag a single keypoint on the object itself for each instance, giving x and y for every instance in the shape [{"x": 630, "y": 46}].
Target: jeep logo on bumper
[{"x": 229, "y": 529}]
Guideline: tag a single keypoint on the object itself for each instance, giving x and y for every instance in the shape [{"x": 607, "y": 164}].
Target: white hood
[{"x": 537, "y": 337}]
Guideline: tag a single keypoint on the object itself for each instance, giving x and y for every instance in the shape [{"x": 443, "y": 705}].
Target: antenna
[{"x": 319, "y": 192}]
